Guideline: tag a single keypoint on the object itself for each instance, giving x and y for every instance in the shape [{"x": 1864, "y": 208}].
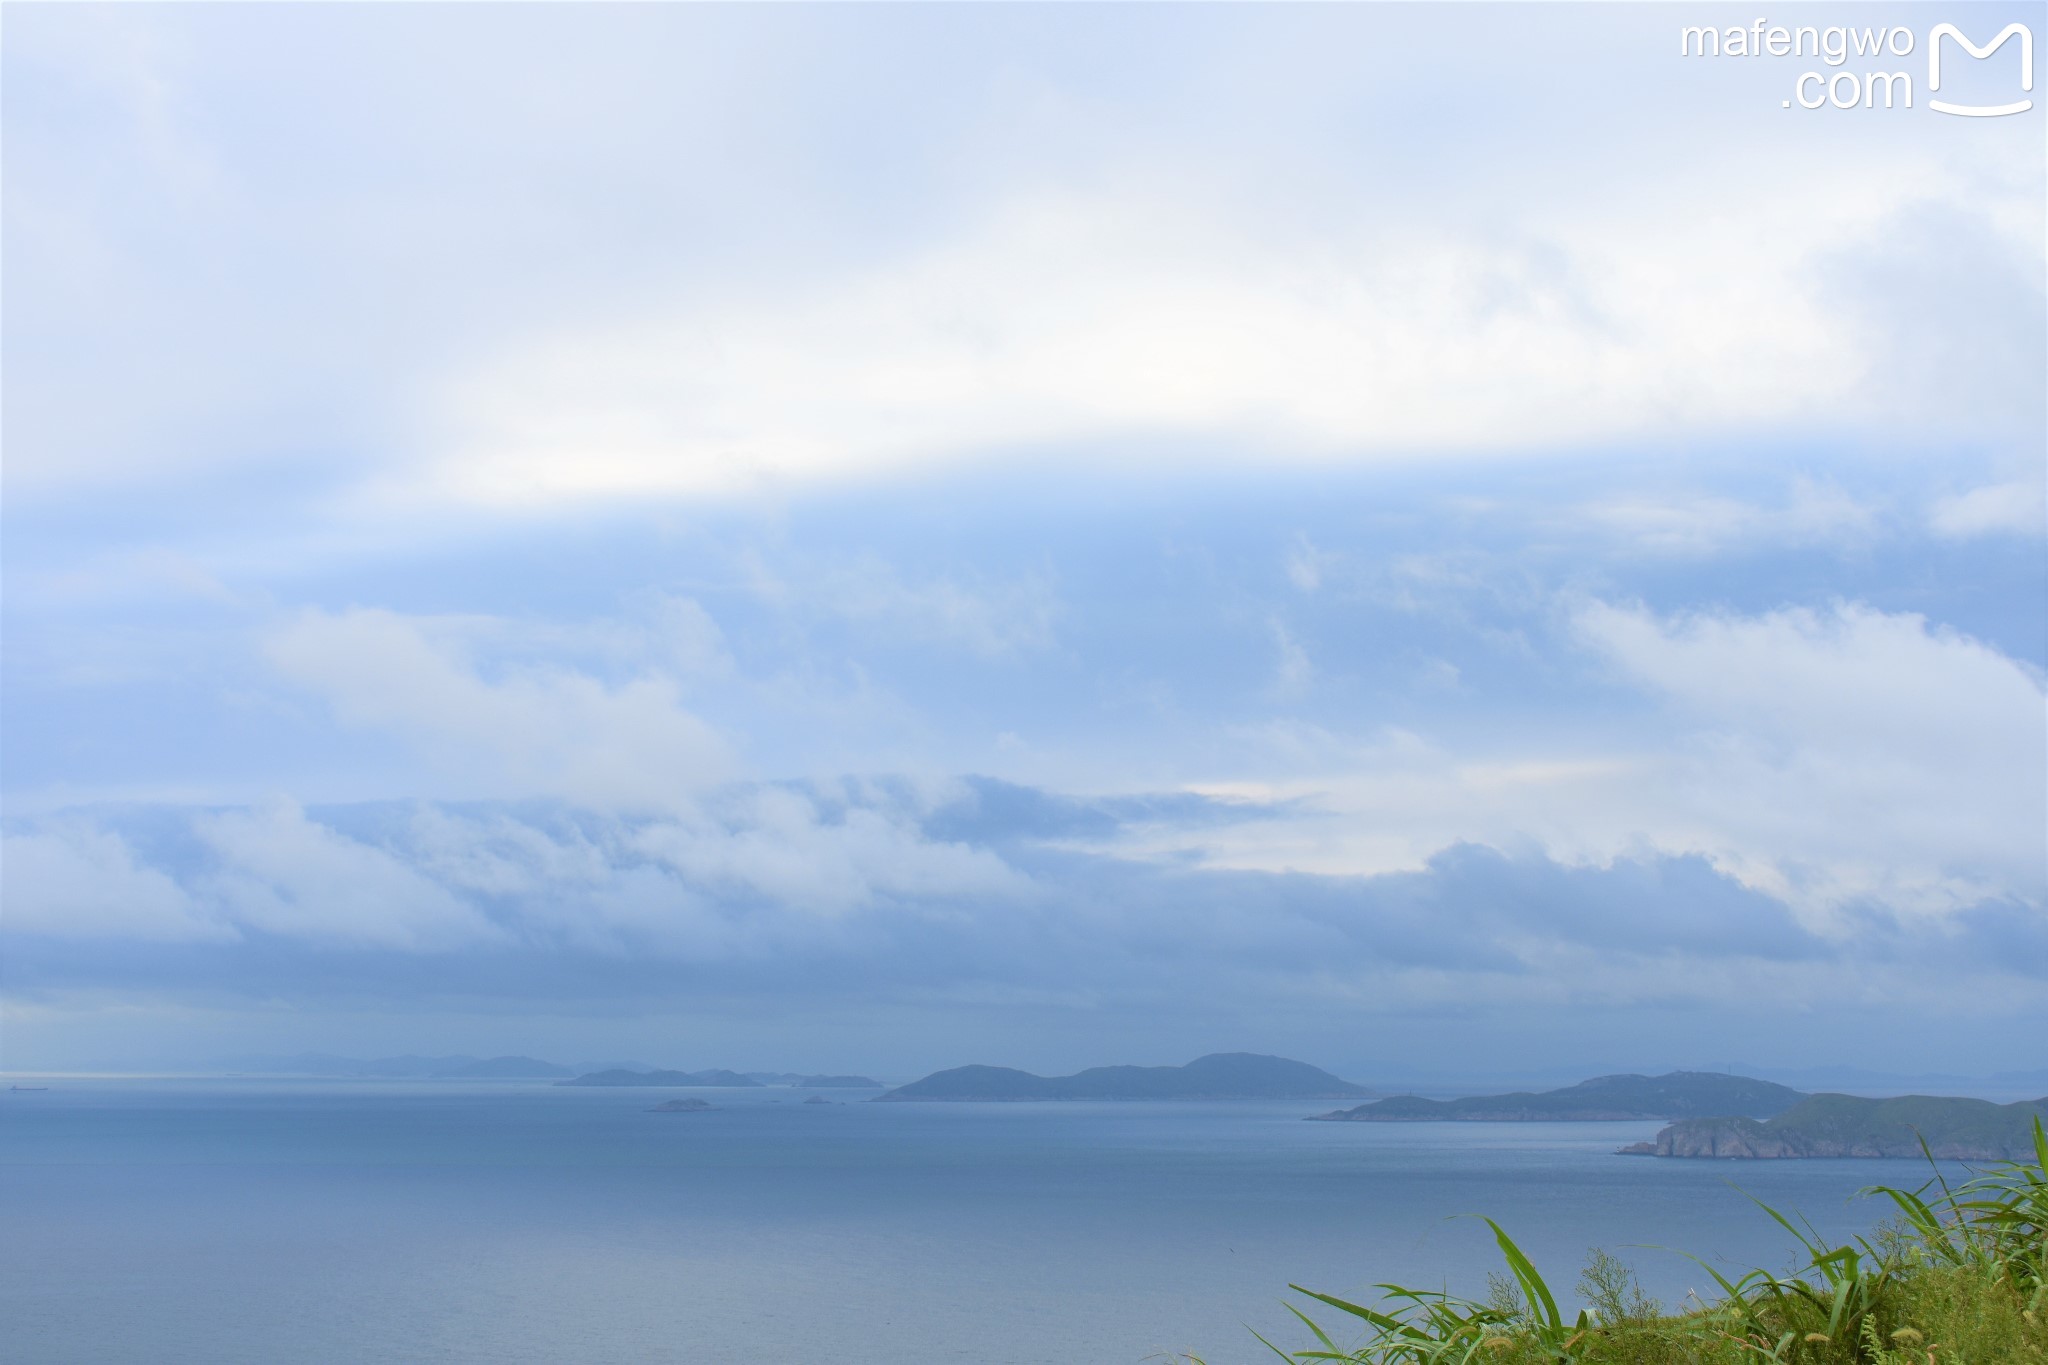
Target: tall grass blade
[{"x": 1524, "y": 1270}]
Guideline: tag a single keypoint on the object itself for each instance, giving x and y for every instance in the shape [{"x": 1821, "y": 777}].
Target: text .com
[{"x": 1875, "y": 80}]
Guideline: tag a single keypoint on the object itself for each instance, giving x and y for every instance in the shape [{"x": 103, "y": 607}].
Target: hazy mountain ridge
[
  {"x": 1674, "y": 1095},
  {"x": 507, "y": 1069},
  {"x": 714, "y": 1077},
  {"x": 1220, "y": 1075},
  {"x": 328, "y": 1064},
  {"x": 408, "y": 1066},
  {"x": 1954, "y": 1128},
  {"x": 461, "y": 1066}
]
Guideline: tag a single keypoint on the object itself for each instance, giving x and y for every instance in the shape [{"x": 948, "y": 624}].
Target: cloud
[
  {"x": 1848, "y": 751},
  {"x": 1059, "y": 318},
  {"x": 989, "y": 619},
  {"x": 73, "y": 880},
  {"x": 2015, "y": 508},
  {"x": 1829, "y": 757},
  {"x": 535, "y": 729},
  {"x": 1258, "y": 292},
  {"x": 1702, "y": 523},
  {"x": 866, "y": 895},
  {"x": 776, "y": 846},
  {"x": 1305, "y": 565},
  {"x": 292, "y": 877},
  {"x": 1055, "y": 259},
  {"x": 754, "y": 871},
  {"x": 1294, "y": 670}
]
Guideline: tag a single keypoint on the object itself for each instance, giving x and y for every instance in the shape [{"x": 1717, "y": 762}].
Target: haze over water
[{"x": 256, "y": 1220}]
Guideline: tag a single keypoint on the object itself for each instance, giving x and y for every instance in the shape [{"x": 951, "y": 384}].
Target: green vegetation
[
  {"x": 1956, "y": 1279},
  {"x": 1850, "y": 1125}
]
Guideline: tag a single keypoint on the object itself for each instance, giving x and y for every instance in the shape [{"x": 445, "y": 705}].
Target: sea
[{"x": 266, "y": 1220}]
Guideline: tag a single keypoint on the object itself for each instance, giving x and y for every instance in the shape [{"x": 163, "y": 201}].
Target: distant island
[
  {"x": 327, "y": 1064},
  {"x": 524, "y": 1069},
  {"x": 505, "y": 1069},
  {"x": 717, "y": 1077},
  {"x": 671, "y": 1079},
  {"x": 804, "y": 1082},
  {"x": 1675, "y": 1095},
  {"x": 689, "y": 1105},
  {"x": 411, "y": 1067},
  {"x": 1851, "y": 1126},
  {"x": 1219, "y": 1076}
]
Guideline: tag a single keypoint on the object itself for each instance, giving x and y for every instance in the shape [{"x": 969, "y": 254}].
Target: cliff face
[
  {"x": 1851, "y": 1126},
  {"x": 1718, "y": 1137}
]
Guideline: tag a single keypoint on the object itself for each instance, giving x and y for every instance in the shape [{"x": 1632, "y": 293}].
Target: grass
[{"x": 1956, "y": 1278}]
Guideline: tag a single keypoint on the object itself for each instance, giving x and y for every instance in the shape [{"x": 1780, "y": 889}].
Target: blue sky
[{"x": 880, "y": 538}]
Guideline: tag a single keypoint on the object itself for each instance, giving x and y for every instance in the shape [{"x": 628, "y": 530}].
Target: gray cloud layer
[{"x": 881, "y": 893}]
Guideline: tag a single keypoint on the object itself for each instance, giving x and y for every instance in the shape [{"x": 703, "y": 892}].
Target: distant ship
[{"x": 28, "y": 1087}]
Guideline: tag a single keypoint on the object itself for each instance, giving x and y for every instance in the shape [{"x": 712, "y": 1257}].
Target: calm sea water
[{"x": 264, "y": 1221}]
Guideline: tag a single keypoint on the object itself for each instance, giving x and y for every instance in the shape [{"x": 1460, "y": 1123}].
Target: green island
[
  {"x": 1218, "y": 1076},
  {"x": 1955, "y": 1278},
  {"x": 1852, "y": 1126}
]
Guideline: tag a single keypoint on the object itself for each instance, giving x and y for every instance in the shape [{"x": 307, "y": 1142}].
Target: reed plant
[{"x": 1955, "y": 1278}]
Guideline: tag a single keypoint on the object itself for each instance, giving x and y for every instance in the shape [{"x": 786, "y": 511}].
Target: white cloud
[
  {"x": 1061, "y": 261},
  {"x": 535, "y": 729},
  {"x": 684, "y": 636},
  {"x": 287, "y": 875},
  {"x": 1702, "y": 524},
  {"x": 70, "y": 879},
  {"x": 763, "y": 869},
  {"x": 991, "y": 620},
  {"x": 497, "y": 855},
  {"x": 844, "y": 897},
  {"x": 1305, "y": 565},
  {"x": 1294, "y": 670},
  {"x": 1826, "y": 757},
  {"x": 1060, "y": 317},
  {"x": 2016, "y": 508},
  {"x": 779, "y": 848},
  {"x": 1850, "y": 752},
  {"x": 1848, "y": 676},
  {"x": 568, "y": 886}
]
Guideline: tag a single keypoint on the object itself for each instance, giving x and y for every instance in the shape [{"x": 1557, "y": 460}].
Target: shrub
[{"x": 1957, "y": 1279}]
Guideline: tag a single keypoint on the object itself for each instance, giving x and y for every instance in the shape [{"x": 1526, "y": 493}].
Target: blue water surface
[{"x": 248, "y": 1220}]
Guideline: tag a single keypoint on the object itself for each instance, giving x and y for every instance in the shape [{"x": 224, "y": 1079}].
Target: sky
[{"x": 1439, "y": 541}]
